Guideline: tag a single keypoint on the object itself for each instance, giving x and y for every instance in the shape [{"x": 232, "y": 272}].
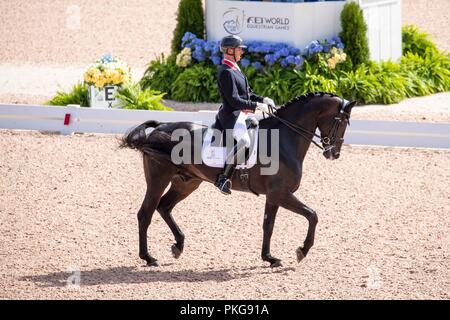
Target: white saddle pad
[{"x": 216, "y": 156}]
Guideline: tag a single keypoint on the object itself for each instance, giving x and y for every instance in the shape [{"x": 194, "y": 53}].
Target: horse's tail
[{"x": 136, "y": 138}]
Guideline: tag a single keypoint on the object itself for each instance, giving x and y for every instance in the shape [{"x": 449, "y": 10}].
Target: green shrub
[
  {"x": 415, "y": 41},
  {"x": 358, "y": 85},
  {"x": 311, "y": 79},
  {"x": 133, "y": 97},
  {"x": 77, "y": 95},
  {"x": 197, "y": 84},
  {"x": 434, "y": 67},
  {"x": 161, "y": 74},
  {"x": 354, "y": 33},
  {"x": 190, "y": 18},
  {"x": 274, "y": 83},
  {"x": 393, "y": 84}
]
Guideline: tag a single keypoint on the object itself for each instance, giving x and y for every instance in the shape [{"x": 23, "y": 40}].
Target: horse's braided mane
[{"x": 305, "y": 98}]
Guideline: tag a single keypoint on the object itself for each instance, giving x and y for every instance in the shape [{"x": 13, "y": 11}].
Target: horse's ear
[{"x": 349, "y": 106}]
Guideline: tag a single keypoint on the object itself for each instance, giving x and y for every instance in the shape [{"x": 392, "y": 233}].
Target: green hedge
[
  {"x": 189, "y": 18},
  {"x": 416, "y": 41},
  {"x": 354, "y": 33}
]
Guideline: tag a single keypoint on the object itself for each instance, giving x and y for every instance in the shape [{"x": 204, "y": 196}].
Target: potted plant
[{"x": 103, "y": 78}]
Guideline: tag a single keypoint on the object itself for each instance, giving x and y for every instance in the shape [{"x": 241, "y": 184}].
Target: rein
[
  {"x": 306, "y": 133},
  {"x": 301, "y": 131}
]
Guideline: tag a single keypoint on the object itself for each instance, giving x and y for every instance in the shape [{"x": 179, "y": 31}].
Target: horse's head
[{"x": 332, "y": 123}]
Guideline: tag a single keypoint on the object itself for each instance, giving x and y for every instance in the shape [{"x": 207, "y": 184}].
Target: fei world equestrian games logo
[{"x": 234, "y": 21}]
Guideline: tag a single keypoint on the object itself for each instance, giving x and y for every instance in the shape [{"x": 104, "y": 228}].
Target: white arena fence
[{"x": 73, "y": 119}]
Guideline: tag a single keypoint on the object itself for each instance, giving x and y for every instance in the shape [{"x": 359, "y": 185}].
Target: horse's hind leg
[
  {"x": 158, "y": 175},
  {"x": 178, "y": 191}
]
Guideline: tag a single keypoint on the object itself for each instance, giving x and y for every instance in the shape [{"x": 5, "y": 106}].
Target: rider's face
[
  {"x": 235, "y": 54},
  {"x": 239, "y": 53}
]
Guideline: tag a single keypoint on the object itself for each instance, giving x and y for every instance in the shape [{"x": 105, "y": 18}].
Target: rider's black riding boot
[{"x": 223, "y": 182}]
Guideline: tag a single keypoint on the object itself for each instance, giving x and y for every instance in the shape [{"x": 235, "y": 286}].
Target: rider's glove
[
  {"x": 269, "y": 102},
  {"x": 263, "y": 107}
]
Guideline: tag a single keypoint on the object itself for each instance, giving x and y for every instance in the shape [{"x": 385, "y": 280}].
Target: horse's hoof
[
  {"x": 276, "y": 264},
  {"x": 153, "y": 263},
  {"x": 300, "y": 255},
  {"x": 176, "y": 252}
]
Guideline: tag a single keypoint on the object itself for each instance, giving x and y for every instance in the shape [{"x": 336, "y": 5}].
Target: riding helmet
[{"x": 231, "y": 42}]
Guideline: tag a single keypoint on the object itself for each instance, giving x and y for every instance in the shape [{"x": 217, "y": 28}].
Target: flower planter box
[{"x": 103, "y": 98}]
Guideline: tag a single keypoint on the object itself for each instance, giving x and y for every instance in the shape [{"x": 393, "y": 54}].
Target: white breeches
[{"x": 240, "y": 129}]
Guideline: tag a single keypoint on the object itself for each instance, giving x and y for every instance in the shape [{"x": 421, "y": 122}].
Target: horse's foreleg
[
  {"x": 290, "y": 202},
  {"x": 178, "y": 191},
  {"x": 270, "y": 213}
]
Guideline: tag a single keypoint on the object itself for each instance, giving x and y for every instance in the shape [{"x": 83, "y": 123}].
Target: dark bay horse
[{"x": 296, "y": 121}]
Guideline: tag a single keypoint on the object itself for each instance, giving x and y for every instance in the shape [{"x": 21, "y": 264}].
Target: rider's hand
[
  {"x": 263, "y": 107},
  {"x": 269, "y": 102}
]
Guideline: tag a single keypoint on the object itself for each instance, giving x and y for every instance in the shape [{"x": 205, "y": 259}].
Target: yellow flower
[
  {"x": 100, "y": 74},
  {"x": 126, "y": 78},
  {"x": 108, "y": 75},
  {"x": 332, "y": 62}
]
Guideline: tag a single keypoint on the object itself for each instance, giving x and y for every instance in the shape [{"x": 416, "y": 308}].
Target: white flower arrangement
[{"x": 184, "y": 58}]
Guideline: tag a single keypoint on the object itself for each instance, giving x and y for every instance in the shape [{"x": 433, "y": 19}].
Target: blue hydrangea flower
[
  {"x": 313, "y": 48},
  {"x": 327, "y": 47},
  {"x": 245, "y": 62},
  {"x": 209, "y": 46},
  {"x": 337, "y": 42},
  {"x": 298, "y": 60},
  {"x": 270, "y": 59},
  {"x": 284, "y": 52},
  {"x": 215, "y": 48},
  {"x": 107, "y": 58},
  {"x": 198, "y": 54},
  {"x": 257, "y": 65},
  {"x": 187, "y": 39},
  {"x": 216, "y": 60},
  {"x": 290, "y": 59}
]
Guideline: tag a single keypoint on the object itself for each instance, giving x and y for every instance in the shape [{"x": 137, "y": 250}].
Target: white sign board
[
  {"x": 300, "y": 23},
  {"x": 294, "y": 23},
  {"x": 103, "y": 98}
]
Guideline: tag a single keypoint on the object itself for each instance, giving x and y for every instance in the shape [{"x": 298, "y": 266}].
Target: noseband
[{"x": 329, "y": 141}]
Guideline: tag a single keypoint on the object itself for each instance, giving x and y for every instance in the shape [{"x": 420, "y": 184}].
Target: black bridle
[{"x": 328, "y": 142}]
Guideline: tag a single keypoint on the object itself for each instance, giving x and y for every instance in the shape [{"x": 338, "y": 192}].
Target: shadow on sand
[{"x": 135, "y": 275}]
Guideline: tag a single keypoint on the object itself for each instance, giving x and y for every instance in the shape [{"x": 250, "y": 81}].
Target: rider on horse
[{"x": 238, "y": 103}]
